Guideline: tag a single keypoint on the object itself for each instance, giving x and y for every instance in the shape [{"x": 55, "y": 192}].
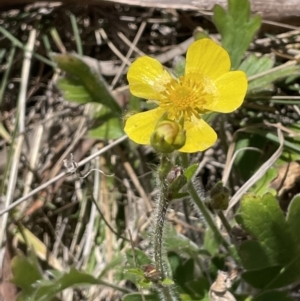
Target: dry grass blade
[
  {"x": 53, "y": 180},
  {"x": 21, "y": 114}
]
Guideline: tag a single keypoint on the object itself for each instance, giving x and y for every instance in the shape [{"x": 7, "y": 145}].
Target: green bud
[
  {"x": 168, "y": 136},
  {"x": 219, "y": 197}
]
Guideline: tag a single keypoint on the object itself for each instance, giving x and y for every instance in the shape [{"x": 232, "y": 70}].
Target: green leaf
[
  {"x": 139, "y": 258},
  {"x": 105, "y": 124},
  {"x": 210, "y": 242},
  {"x": 293, "y": 218},
  {"x": 246, "y": 251},
  {"x": 275, "y": 262},
  {"x": 167, "y": 282},
  {"x": 186, "y": 297},
  {"x": 26, "y": 272},
  {"x": 179, "y": 66},
  {"x": 199, "y": 287},
  {"x": 273, "y": 295},
  {"x": 185, "y": 272},
  {"x": 263, "y": 218},
  {"x": 179, "y": 243},
  {"x": 262, "y": 185},
  {"x": 263, "y": 80},
  {"x": 136, "y": 275},
  {"x": 73, "y": 91},
  {"x": 138, "y": 297},
  {"x": 190, "y": 171},
  {"x": 110, "y": 129},
  {"x": 85, "y": 74},
  {"x": 72, "y": 278},
  {"x": 254, "y": 65},
  {"x": 261, "y": 278},
  {"x": 236, "y": 27}
]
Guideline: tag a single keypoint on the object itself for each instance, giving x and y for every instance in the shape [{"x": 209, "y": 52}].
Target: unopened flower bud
[
  {"x": 176, "y": 179},
  {"x": 168, "y": 135},
  {"x": 219, "y": 197}
]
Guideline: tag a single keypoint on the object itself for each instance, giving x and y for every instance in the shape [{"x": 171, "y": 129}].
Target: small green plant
[{"x": 208, "y": 243}]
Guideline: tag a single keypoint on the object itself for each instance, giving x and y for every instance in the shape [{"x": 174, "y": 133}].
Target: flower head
[{"x": 208, "y": 85}]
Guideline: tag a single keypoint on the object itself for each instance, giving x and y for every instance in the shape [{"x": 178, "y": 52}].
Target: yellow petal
[
  {"x": 139, "y": 127},
  {"x": 231, "y": 90},
  {"x": 207, "y": 58},
  {"x": 147, "y": 78},
  {"x": 199, "y": 136}
]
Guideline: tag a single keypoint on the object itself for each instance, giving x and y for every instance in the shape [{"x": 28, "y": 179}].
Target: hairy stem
[
  {"x": 162, "y": 207},
  {"x": 168, "y": 293}
]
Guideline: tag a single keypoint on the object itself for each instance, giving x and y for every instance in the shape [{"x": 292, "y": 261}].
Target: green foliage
[
  {"x": 105, "y": 124},
  {"x": 195, "y": 288},
  {"x": 236, "y": 27},
  {"x": 49, "y": 288},
  {"x": 138, "y": 259},
  {"x": 181, "y": 244},
  {"x": 139, "y": 297},
  {"x": 262, "y": 185},
  {"x": 254, "y": 65},
  {"x": 272, "y": 295},
  {"x": 210, "y": 243},
  {"x": 28, "y": 266},
  {"x": 84, "y": 84},
  {"x": 263, "y": 80},
  {"x": 28, "y": 277},
  {"x": 179, "y": 66},
  {"x": 84, "y": 77},
  {"x": 190, "y": 171},
  {"x": 248, "y": 160},
  {"x": 272, "y": 260}
]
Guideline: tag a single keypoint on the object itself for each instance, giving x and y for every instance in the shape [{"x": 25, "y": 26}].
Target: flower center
[{"x": 186, "y": 96}]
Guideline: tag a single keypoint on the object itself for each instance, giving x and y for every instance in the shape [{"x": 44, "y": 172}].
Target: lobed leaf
[
  {"x": 273, "y": 259},
  {"x": 236, "y": 27}
]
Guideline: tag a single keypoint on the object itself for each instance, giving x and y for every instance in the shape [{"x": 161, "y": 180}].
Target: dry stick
[
  {"x": 262, "y": 170},
  {"x": 38, "y": 134},
  {"x": 109, "y": 68},
  {"x": 177, "y": 50},
  {"x": 280, "y": 36},
  {"x": 113, "y": 48},
  {"x": 79, "y": 224},
  {"x": 89, "y": 228},
  {"x": 43, "y": 186},
  {"x": 21, "y": 112},
  {"x": 128, "y": 43},
  {"x": 129, "y": 53}
]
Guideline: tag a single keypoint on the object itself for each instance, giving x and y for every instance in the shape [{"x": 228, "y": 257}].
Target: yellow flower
[{"x": 208, "y": 85}]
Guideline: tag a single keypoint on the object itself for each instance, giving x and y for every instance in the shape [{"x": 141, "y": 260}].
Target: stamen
[{"x": 184, "y": 97}]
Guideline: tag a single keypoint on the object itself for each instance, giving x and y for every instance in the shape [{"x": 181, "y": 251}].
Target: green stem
[
  {"x": 161, "y": 210},
  {"x": 224, "y": 222},
  {"x": 162, "y": 207},
  {"x": 207, "y": 216},
  {"x": 195, "y": 196}
]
